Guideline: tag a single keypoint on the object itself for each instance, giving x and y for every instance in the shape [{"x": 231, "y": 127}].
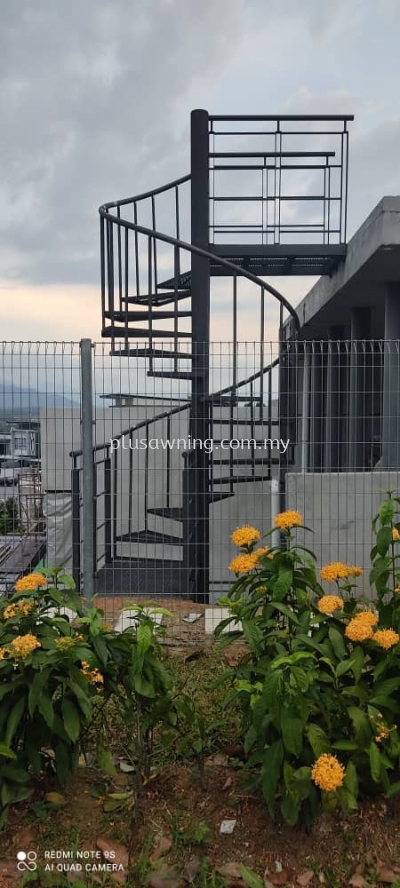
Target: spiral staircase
[{"x": 266, "y": 196}]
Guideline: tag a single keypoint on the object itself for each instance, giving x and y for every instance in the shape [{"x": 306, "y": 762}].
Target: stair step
[
  {"x": 176, "y": 512},
  {"x": 142, "y": 332},
  {"x": 151, "y": 353},
  {"x": 241, "y": 479},
  {"x": 158, "y": 298},
  {"x": 183, "y": 282},
  {"x": 171, "y": 374},
  {"x": 149, "y": 536},
  {"x": 145, "y": 315}
]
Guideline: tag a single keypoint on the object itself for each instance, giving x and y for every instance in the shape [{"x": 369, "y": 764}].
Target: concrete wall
[{"x": 339, "y": 508}]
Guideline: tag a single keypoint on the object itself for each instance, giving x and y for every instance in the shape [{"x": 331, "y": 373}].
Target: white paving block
[
  {"x": 214, "y": 616},
  {"x": 128, "y": 619}
]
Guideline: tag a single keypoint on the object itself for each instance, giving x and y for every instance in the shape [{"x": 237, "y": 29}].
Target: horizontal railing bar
[
  {"x": 272, "y": 154},
  {"x": 286, "y": 166},
  {"x": 304, "y": 117},
  {"x": 273, "y": 199},
  {"x": 273, "y": 132}
]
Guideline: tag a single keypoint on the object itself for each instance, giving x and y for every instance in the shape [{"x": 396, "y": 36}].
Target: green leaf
[
  {"x": 36, "y": 688},
  {"x": 14, "y": 719},
  {"x": 386, "y": 687},
  {"x": 343, "y": 667},
  {"x": 337, "y": 642},
  {"x": 383, "y": 540},
  {"x": 6, "y": 751},
  {"x": 45, "y": 708},
  {"x": 272, "y": 762},
  {"x": 55, "y": 799},
  {"x": 292, "y": 731},
  {"x": 394, "y": 789},
  {"x": 351, "y": 780},
  {"x": 63, "y": 768},
  {"x": 361, "y": 723},
  {"x": 144, "y": 637},
  {"x": 290, "y": 809},
  {"x": 349, "y": 745},
  {"x": 386, "y": 511},
  {"x": 250, "y": 738},
  {"x": 252, "y": 634},
  {"x": 105, "y": 761},
  {"x": 71, "y": 720},
  {"x": 318, "y": 740},
  {"x": 375, "y": 762},
  {"x": 249, "y": 878},
  {"x": 357, "y": 658},
  {"x": 283, "y": 583}
]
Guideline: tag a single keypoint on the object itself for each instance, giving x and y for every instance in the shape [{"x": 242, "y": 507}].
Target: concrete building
[{"x": 347, "y": 403}]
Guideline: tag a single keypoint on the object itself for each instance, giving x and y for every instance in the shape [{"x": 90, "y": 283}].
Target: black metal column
[
  {"x": 196, "y": 488},
  {"x": 360, "y": 332},
  {"x": 391, "y": 381}
]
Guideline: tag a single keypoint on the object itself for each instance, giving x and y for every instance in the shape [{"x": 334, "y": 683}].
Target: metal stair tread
[
  {"x": 149, "y": 536},
  {"x": 157, "y": 298},
  {"x": 145, "y": 315}
]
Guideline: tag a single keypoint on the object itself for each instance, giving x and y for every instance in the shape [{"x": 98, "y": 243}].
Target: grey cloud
[{"x": 94, "y": 104}]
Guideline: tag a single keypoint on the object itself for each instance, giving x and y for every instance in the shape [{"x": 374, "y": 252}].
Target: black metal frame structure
[{"x": 268, "y": 163}]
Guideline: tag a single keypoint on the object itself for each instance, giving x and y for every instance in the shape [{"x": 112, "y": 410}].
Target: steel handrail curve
[
  {"x": 206, "y": 254},
  {"x": 192, "y": 248},
  {"x": 146, "y": 194}
]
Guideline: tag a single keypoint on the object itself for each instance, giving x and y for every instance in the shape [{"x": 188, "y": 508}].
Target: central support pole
[{"x": 196, "y": 487}]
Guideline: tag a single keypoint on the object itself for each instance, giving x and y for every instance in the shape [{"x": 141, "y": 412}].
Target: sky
[{"x": 95, "y": 101}]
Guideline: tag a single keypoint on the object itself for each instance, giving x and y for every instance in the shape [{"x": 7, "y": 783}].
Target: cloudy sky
[{"x": 95, "y": 98}]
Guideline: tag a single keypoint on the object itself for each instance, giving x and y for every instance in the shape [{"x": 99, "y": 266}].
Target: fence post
[{"x": 88, "y": 529}]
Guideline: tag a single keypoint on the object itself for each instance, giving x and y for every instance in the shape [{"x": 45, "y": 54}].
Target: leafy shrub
[
  {"x": 54, "y": 669},
  {"x": 319, "y": 686}
]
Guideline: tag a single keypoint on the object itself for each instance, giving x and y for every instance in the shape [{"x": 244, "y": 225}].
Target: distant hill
[{"x": 25, "y": 402}]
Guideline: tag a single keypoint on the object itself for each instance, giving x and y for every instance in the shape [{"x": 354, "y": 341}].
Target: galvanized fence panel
[{"x": 98, "y": 470}]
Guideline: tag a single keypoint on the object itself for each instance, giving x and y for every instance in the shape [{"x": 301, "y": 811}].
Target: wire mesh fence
[{"x": 100, "y": 470}]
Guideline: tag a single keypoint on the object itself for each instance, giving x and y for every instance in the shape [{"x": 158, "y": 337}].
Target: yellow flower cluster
[
  {"x": 397, "y": 588},
  {"x": 327, "y": 772},
  {"x": 31, "y": 582},
  {"x": 360, "y": 627},
  {"x": 382, "y": 730},
  {"x": 263, "y": 550},
  {"x": 243, "y": 564},
  {"x": 290, "y": 518},
  {"x": 366, "y": 617},
  {"x": 23, "y": 645},
  {"x": 386, "y": 638},
  {"x": 329, "y": 603},
  {"x": 395, "y": 534},
  {"x": 20, "y": 608},
  {"x": 92, "y": 675},
  {"x": 245, "y": 536},
  {"x": 339, "y": 571},
  {"x": 65, "y": 642}
]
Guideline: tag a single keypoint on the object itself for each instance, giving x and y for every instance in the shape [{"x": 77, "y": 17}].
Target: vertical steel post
[
  {"x": 196, "y": 505},
  {"x": 87, "y": 468},
  {"x": 391, "y": 381},
  {"x": 76, "y": 527}
]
